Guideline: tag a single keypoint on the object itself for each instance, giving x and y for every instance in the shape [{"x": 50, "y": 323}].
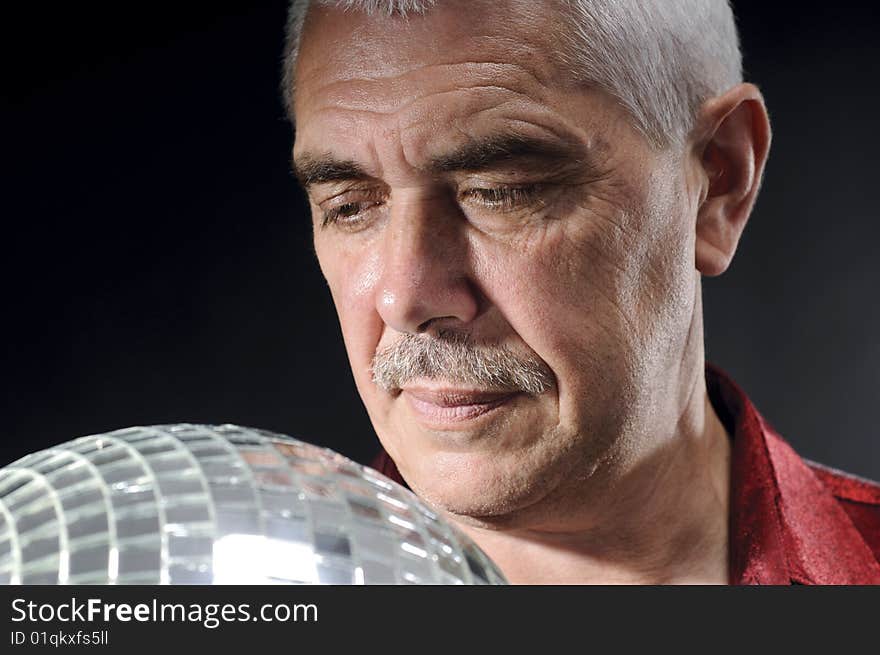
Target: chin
[{"x": 484, "y": 489}]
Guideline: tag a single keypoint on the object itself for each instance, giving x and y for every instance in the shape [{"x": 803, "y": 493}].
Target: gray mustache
[{"x": 456, "y": 358}]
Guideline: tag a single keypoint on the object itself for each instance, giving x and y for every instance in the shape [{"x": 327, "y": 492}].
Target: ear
[{"x": 731, "y": 140}]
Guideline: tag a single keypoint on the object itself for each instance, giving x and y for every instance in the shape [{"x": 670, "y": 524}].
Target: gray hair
[
  {"x": 452, "y": 356},
  {"x": 660, "y": 59}
]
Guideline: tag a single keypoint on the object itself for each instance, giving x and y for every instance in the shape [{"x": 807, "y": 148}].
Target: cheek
[
  {"x": 563, "y": 294},
  {"x": 573, "y": 292},
  {"x": 352, "y": 277}
]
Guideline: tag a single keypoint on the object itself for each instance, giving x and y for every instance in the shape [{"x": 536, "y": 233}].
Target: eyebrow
[
  {"x": 311, "y": 169},
  {"x": 507, "y": 148},
  {"x": 480, "y": 154}
]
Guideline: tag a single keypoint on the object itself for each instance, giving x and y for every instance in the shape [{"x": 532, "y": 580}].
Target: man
[{"x": 514, "y": 203}]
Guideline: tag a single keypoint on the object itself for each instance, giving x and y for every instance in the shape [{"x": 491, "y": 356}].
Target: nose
[{"x": 425, "y": 281}]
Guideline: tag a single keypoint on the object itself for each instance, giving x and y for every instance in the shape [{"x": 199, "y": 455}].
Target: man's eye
[
  {"x": 505, "y": 198},
  {"x": 348, "y": 214}
]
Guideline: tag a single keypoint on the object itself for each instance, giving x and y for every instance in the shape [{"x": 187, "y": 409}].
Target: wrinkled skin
[{"x": 591, "y": 264}]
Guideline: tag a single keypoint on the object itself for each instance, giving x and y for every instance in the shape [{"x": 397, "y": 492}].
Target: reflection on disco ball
[{"x": 196, "y": 504}]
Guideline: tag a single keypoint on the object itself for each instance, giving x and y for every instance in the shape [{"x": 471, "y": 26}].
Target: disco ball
[{"x": 198, "y": 504}]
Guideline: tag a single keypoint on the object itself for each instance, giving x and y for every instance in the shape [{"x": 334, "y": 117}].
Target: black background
[{"x": 157, "y": 254}]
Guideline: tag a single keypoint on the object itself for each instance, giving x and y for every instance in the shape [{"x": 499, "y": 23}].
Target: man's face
[{"x": 466, "y": 190}]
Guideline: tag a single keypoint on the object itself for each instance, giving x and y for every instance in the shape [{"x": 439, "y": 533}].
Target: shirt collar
[{"x": 785, "y": 525}]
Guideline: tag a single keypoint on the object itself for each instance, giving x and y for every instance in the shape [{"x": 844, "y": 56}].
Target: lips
[{"x": 454, "y": 405}]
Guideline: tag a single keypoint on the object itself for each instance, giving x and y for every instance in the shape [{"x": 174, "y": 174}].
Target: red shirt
[{"x": 791, "y": 521}]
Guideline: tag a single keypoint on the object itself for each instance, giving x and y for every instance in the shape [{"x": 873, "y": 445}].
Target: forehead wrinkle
[
  {"x": 355, "y": 87},
  {"x": 448, "y": 70},
  {"x": 394, "y": 102},
  {"x": 514, "y": 34},
  {"x": 327, "y": 109},
  {"x": 511, "y": 100}
]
